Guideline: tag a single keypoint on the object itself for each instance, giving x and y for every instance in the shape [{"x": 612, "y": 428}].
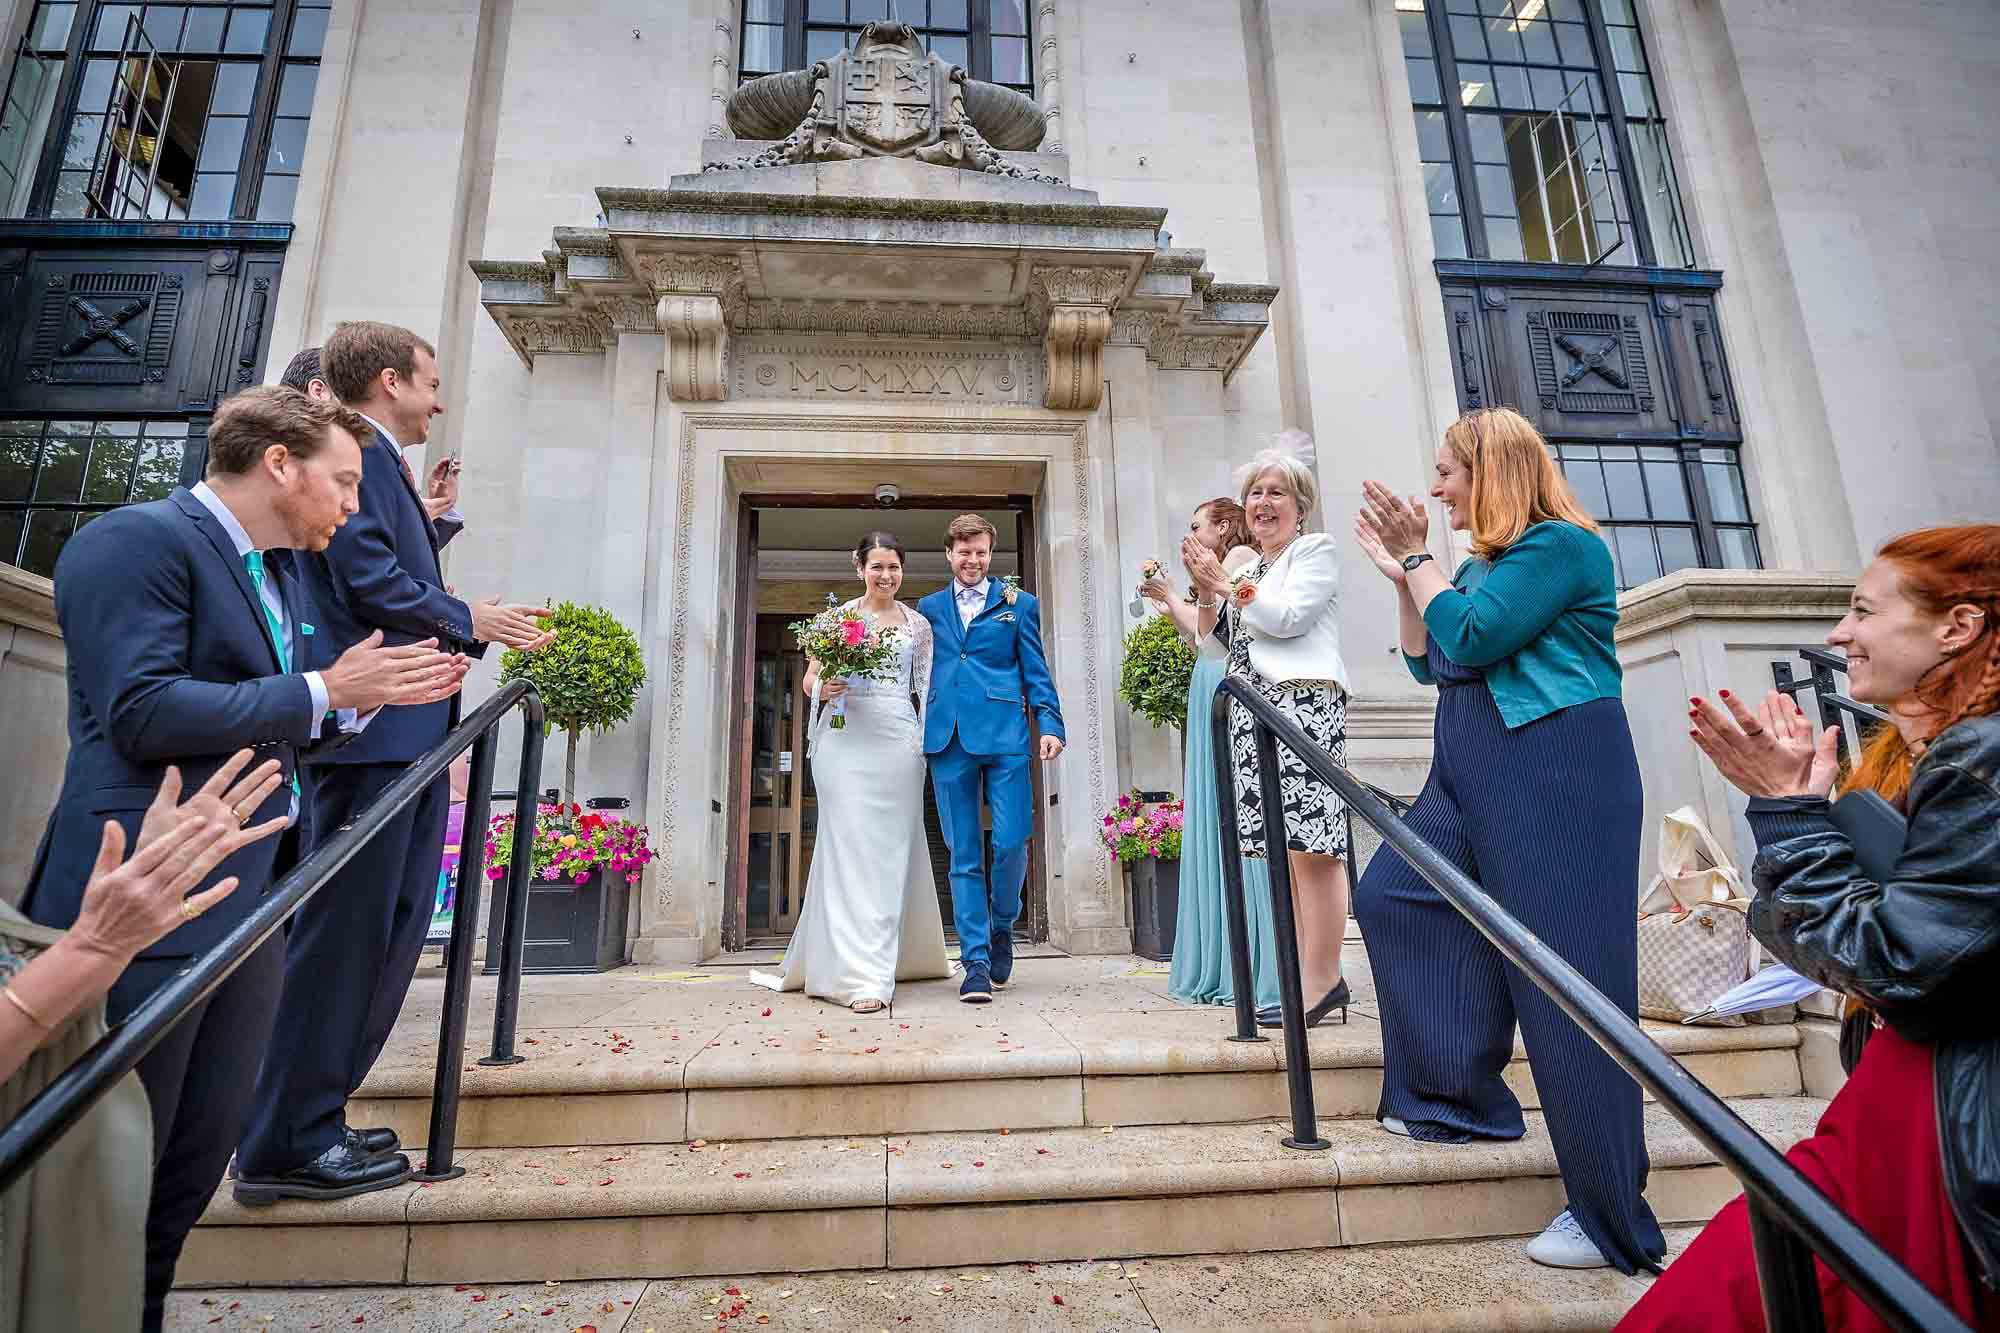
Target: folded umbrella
[{"x": 1772, "y": 988}]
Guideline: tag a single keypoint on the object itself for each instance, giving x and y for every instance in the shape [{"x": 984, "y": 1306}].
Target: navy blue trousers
[
  {"x": 349, "y": 957},
  {"x": 1546, "y": 818}
]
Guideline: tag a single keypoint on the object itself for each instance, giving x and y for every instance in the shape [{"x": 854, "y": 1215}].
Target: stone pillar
[
  {"x": 1694, "y": 633},
  {"x": 1051, "y": 77},
  {"x": 721, "y": 70}
]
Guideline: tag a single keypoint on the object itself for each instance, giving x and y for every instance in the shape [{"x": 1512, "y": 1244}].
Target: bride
[{"x": 871, "y": 914}]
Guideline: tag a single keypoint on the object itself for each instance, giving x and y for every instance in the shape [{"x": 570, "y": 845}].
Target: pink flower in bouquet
[
  {"x": 854, "y": 631},
  {"x": 1128, "y": 826}
]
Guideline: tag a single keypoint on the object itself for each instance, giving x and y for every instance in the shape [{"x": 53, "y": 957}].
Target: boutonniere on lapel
[
  {"x": 1010, "y": 589},
  {"x": 1243, "y": 589}
]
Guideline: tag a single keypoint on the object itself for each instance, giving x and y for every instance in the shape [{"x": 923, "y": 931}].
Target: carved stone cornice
[
  {"x": 698, "y": 273},
  {"x": 1074, "y": 345},
  {"x": 1137, "y": 328},
  {"x": 630, "y": 314},
  {"x": 697, "y": 348},
  {"x": 1731, "y": 594},
  {"x": 1077, "y": 285},
  {"x": 922, "y": 319}
]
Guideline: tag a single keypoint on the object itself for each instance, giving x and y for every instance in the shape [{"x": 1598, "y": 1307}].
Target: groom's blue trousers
[{"x": 980, "y": 911}]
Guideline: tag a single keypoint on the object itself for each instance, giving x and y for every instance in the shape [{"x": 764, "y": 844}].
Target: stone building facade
[{"x": 1734, "y": 257}]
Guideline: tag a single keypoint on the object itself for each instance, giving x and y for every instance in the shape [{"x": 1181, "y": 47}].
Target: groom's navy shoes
[
  {"x": 977, "y": 988},
  {"x": 1001, "y": 951}
]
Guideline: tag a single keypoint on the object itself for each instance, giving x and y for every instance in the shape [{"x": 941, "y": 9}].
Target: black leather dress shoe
[
  {"x": 373, "y": 1142},
  {"x": 338, "y": 1173}
]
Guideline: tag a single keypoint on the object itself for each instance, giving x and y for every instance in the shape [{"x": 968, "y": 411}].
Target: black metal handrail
[
  {"x": 1836, "y": 707},
  {"x": 1791, "y": 1220},
  {"x": 57, "y": 1108}
]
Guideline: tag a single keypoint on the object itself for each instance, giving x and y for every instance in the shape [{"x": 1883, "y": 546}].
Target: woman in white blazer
[{"x": 1285, "y": 640}]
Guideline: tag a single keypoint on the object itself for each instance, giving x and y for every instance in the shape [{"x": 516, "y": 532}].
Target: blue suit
[
  {"x": 354, "y": 946},
  {"x": 170, "y": 661},
  {"x": 985, "y": 678}
]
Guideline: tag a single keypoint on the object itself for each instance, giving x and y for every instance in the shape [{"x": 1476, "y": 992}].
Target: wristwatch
[{"x": 1410, "y": 562}]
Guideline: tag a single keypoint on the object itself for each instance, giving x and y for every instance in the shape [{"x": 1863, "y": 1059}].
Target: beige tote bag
[{"x": 1694, "y": 928}]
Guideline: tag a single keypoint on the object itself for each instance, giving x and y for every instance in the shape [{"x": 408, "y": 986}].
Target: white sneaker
[
  {"x": 1395, "y": 1126},
  {"x": 1564, "y": 1245}
]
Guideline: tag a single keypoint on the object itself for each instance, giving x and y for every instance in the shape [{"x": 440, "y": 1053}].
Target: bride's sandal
[{"x": 866, "y": 1006}]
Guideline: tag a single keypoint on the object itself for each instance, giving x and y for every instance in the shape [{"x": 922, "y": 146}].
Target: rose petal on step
[
  {"x": 606, "y": 1181},
  {"x": 741, "y": 1175},
  {"x": 1055, "y": 1299},
  {"x": 765, "y": 1014}
]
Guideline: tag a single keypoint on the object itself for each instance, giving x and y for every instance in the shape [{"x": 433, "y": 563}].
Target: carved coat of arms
[{"x": 885, "y": 97}]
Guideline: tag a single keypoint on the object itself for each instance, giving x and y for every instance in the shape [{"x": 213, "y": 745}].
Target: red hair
[{"x": 1939, "y": 568}]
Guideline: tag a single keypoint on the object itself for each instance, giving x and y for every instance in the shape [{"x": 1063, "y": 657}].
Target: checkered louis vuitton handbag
[{"x": 1694, "y": 927}]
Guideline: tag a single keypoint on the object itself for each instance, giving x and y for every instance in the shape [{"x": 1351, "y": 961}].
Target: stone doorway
[{"x": 797, "y": 547}]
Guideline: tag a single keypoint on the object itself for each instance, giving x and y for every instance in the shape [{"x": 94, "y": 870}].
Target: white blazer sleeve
[{"x": 1287, "y": 608}]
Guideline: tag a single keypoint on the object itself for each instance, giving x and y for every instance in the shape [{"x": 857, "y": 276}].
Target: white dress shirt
[
  {"x": 971, "y": 600},
  {"x": 275, "y": 602}
]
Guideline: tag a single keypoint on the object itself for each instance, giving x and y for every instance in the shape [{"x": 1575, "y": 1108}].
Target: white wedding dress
[{"x": 871, "y": 913}]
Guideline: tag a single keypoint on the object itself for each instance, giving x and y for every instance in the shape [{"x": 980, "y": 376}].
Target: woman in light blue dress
[{"x": 1201, "y": 972}]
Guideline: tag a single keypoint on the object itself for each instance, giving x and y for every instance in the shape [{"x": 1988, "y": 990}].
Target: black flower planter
[
  {"x": 1155, "y": 891},
  {"x": 572, "y": 927}
]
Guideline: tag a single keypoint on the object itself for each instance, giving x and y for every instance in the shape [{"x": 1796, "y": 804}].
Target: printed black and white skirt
[{"x": 1315, "y": 819}]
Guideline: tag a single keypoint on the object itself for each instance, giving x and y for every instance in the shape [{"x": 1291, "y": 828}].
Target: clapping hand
[
  {"x": 1203, "y": 568},
  {"x": 225, "y": 800},
  {"x": 1403, "y": 526},
  {"x": 1370, "y": 542},
  {"x": 367, "y": 676},
  {"x": 131, "y": 906},
  {"x": 512, "y": 624},
  {"x": 1770, "y": 752}
]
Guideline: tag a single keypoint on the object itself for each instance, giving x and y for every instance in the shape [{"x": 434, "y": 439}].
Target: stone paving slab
[
  {"x": 1421, "y": 1288},
  {"x": 848, "y": 1048}
]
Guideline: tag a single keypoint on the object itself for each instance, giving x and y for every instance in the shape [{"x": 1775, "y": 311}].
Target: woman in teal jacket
[{"x": 1534, "y": 792}]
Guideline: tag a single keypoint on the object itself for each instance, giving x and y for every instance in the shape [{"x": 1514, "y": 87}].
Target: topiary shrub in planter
[
  {"x": 585, "y": 864},
  {"x": 589, "y": 677},
  {"x": 1157, "y": 668}
]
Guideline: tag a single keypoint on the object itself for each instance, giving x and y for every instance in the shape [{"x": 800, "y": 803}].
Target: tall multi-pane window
[
  {"x": 988, "y": 38},
  {"x": 181, "y": 112},
  {"x": 1541, "y": 140},
  {"x": 55, "y": 476},
  {"x": 1528, "y": 112}
]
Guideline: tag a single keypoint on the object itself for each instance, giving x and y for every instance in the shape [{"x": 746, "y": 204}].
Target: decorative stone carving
[
  {"x": 1597, "y": 346},
  {"x": 693, "y": 274},
  {"x": 885, "y": 97},
  {"x": 1183, "y": 351},
  {"x": 1137, "y": 328},
  {"x": 885, "y": 317},
  {"x": 630, "y": 314},
  {"x": 1075, "y": 347},
  {"x": 697, "y": 348},
  {"x": 105, "y": 328},
  {"x": 895, "y": 372},
  {"x": 582, "y": 332},
  {"x": 1081, "y": 286}
]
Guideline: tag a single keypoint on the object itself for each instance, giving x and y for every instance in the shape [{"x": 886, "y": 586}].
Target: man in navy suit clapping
[
  {"x": 190, "y": 636},
  {"x": 354, "y": 948}
]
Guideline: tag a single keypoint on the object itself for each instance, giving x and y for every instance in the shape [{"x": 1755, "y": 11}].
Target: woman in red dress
[{"x": 1910, "y": 1148}]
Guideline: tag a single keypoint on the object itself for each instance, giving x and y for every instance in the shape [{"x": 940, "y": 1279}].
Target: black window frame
[
  {"x": 1633, "y": 213},
  {"x": 797, "y": 22},
  {"x": 194, "y": 454},
  {"x": 253, "y": 165},
  {"x": 1688, "y": 465}
]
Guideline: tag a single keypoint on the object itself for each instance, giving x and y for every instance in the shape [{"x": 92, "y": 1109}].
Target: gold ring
[
  {"x": 188, "y": 910},
  {"x": 1753, "y": 731},
  {"x": 243, "y": 817}
]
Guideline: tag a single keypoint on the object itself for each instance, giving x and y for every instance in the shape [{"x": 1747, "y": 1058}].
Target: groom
[{"x": 988, "y": 670}]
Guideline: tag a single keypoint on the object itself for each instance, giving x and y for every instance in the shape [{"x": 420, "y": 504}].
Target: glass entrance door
[{"x": 783, "y": 813}]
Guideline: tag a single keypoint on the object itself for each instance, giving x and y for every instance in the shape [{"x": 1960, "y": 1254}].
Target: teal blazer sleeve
[
  {"x": 1420, "y": 667},
  {"x": 1535, "y": 580}
]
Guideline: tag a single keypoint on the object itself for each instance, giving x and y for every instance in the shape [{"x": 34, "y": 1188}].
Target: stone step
[
  {"x": 1435, "y": 1287},
  {"x": 769, "y": 1078},
  {"x": 933, "y": 1200}
]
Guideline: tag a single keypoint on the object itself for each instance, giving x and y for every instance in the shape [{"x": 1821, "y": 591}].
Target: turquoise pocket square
[{"x": 305, "y": 629}]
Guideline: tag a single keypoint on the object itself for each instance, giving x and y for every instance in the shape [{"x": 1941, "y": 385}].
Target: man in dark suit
[
  {"x": 189, "y": 636},
  {"x": 353, "y": 949},
  {"x": 306, "y": 374}
]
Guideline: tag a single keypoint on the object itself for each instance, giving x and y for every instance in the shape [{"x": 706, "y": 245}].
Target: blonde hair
[
  {"x": 1291, "y": 458},
  {"x": 1515, "y": 480}
]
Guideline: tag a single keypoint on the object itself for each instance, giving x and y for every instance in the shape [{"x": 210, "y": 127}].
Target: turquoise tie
[{"x": 254, "y": 562}]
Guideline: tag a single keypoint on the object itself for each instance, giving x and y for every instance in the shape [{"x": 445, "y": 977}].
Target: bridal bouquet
[{"x": 843, "y": 645}]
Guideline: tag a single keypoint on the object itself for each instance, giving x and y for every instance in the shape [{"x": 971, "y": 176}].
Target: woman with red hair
[{"x": 1910, "y": 1148}]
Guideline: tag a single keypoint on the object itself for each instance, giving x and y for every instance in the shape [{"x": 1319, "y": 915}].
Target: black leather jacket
[{"x": 1923, "y": 950}]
